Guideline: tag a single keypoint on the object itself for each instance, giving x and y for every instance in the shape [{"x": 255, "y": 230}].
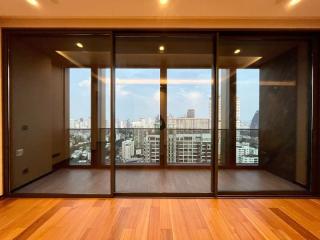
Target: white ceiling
[{"x": 152, "y": 8}]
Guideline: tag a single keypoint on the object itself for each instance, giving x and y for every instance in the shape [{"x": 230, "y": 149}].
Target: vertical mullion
[
  {"x": 7, "y": 93},
  {"x": 94, "y": 115},
  {"x": 112, "y": 117},
  {"x": 163, "y": 112},
  {"x": 232, "y": 119},
  {"x": 102, "y": 133},
  {"x": 214, "y": 116},
  {"x": 315, "y": 161},
  {"x": 66, "y": 100}
]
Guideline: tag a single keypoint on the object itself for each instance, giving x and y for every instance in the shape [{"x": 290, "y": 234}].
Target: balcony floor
[{"x": 96, "y": 181}]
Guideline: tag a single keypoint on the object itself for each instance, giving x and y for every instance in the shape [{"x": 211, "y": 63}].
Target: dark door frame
[
  {"x": 164, "y": 121},
  {"x": 315, "y": 139}
]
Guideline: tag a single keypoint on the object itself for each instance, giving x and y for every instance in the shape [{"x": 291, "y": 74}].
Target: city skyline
[{"x": 136, "y": 100}]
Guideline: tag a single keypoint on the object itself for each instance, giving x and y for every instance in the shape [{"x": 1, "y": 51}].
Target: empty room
[{"x": 160, "y": 119}]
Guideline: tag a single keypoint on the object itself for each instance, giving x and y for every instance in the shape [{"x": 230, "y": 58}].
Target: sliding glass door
[
  {"x": 175, "y": 113},
  {"x": 163, "y": 113},
  {"x": 80, "y": 116},
  {"x": 264, "y": 104},
  {"x": 60, "y": 108}
]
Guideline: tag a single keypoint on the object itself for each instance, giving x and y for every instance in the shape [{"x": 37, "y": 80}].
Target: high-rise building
[
  {"x": 182, "y": 148},
  {"x": 191, "y": 113},
  {"x": 238, "y": 121},
  {"x": 152, "y": 148},
  {"x": 143, "y": 123},
  {"x": 246, "y": 154},
  {"x": 127, "y": 150},
  {"x": 189, "y": 148},
  {"x": 189, "y": 123}
]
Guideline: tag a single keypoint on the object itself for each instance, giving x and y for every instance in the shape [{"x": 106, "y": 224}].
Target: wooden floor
[
  {"x": 97, "y": 181},
  {"x": 153, "y": 219}
]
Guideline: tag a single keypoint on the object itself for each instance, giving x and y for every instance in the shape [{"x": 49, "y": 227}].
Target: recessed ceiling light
[
  {"x": 34, "y": 3},
  {"x": 293, "y": 3},
  {"x": 237, "y": 51},
  {"x": 161, "y": 48},
  {"x": 79, "y": 45},
  {"x": 164, "y": 2}
]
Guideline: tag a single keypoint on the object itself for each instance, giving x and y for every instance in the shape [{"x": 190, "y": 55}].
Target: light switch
[{"x": 19, "y": 152}]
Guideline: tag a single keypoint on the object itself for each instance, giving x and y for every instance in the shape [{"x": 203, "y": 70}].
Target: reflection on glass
[{"x": 80, "y": 115}]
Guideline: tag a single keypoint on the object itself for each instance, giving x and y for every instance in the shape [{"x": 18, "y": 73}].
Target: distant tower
[
  {"x": 238, "y": 122},
  {"x": 190, "y": 113},
  {"x": 255, "y": 121},
  {"x": 210, "y": 106}
]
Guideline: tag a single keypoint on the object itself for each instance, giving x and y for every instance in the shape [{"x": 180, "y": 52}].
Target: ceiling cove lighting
[
  {"x": 34, "y": 3},
  {"x": 293, "y": 2},
  {"x": 237, "y": 51},
  {"x": 163, "y": 2},
  {"x": 79, "y": 45}
]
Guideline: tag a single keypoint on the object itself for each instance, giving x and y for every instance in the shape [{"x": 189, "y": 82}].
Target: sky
[
  {"x": 248, "y": 92},
  {"x": 138, "y": 95}
]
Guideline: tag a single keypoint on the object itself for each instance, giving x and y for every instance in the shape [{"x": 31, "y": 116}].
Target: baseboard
[{"x": 62, "y": 164}]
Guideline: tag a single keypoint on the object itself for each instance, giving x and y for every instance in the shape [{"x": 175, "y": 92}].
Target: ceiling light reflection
[
  {"x": 164, "y": 2},
  {"x": 293, "y": 3},
  {"x": 34, "y": 3}
]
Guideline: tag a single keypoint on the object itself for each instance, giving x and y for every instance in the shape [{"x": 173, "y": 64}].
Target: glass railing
[
  {"x": 80, "y": 146},
  {"x": 189, "y": 146},
  {"x": 247, "y": 147},
  {"x": 103, "y": 146},
  {"x": 137, "y": 146},
  {"x": 223, "y": 147},
  {"x": 141, "y": 146}
]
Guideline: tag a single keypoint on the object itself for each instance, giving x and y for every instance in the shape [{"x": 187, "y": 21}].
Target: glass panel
[
  {"x": 189, "y": 79},
  {"x": 163, "y": 88},
  {"x": 137, "y": 116},
  {"x": 80, "y": 146},
  {"x": 80, "y": 115},
  {"x": 55, "y": 112},
  {"x": 189, "y": 116},
  {"x": 247, "y": 117},
  {"x": 104, "y": 84},
  {"x": 263, "y": 115}
]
